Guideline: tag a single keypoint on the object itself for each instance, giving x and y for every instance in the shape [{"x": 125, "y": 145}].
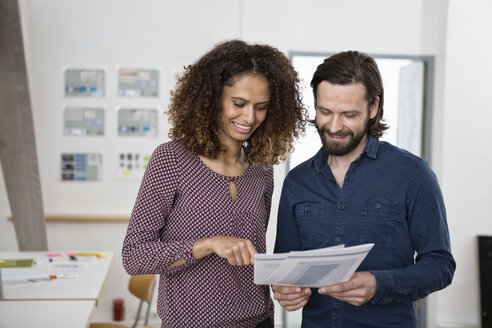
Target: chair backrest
[{"x": 141, "y": 286}]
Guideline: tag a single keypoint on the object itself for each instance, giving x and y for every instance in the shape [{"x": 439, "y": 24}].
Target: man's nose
[{"x": 335, "y": 125}]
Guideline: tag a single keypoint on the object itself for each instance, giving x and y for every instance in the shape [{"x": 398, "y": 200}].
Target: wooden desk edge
[{"x": 83, "y": 218}]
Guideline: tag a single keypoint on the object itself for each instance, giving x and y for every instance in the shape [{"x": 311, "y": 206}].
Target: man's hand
[
  {"x": 291, "y": 298},
  {"x": 359, "y": 289}
]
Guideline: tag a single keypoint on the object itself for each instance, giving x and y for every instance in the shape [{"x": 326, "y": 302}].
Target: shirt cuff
[
  {"x": 186, "y": 253},
  {"x": 384, "y": 287}
]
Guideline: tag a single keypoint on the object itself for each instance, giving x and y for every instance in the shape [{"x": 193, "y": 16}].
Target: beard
[{"x": 339, "y": 148}]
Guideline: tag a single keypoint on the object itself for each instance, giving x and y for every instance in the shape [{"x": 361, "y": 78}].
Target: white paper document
[
  {"x": 313, "y": 268},
  {"x": 21, "y": 277}
]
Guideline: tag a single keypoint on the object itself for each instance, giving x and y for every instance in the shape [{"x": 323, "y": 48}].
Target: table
[
  {"x": 53, "y": 314},
  {"x": 87, "y": 286}
]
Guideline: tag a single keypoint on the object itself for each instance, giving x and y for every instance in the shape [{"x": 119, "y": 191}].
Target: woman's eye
[
  {"x": 262, "y": 107},
  {"x": 238, "y": 104}
]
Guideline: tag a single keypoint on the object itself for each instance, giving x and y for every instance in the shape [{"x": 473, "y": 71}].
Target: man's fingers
[
  {"x": 286, "y": 289},
  {"x": 295, "y": 307},
  {"x": 291, "y": 293},
  {"x": 295, "y": 301}
]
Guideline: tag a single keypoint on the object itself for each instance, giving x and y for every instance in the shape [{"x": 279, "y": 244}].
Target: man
[{"x": 358, "y": 190}]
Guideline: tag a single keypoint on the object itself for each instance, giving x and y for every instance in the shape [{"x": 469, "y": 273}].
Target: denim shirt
[{"x": 390, "y": 198}]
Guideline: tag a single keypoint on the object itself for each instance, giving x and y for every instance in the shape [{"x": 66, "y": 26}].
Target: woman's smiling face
[{"x": 244, "y": 107}]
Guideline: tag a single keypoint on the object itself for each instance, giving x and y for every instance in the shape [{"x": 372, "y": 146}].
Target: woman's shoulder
[
  {"x": 174, "y": 148},
  {"x": 264, "y": 171}
]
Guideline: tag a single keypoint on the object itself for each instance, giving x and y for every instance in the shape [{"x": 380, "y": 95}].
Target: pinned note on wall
[
  {"x": 137, "y": 83},
  {"x": 81, "y": 166},
  {"x": 134, "y": 122},
  {"x": 84, "y": 83},
  {"x": 132, "y": 165},
  {"x": 83, "y": 122}
]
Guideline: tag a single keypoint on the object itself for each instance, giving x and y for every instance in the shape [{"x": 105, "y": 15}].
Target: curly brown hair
[{"x": 196, "y": 102}]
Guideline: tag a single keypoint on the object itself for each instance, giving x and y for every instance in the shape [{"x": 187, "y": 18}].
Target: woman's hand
[{"x": 236, "y": 251}]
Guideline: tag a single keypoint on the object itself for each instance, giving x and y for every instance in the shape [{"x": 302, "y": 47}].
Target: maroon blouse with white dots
[{"x": 181, "y": 200}]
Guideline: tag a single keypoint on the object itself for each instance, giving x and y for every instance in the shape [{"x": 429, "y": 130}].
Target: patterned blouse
[{"x": 181, "y": 200}]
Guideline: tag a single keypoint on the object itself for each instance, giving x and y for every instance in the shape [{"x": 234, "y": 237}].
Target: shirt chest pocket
[
  {"x": 311, "y": 223},
  {"x": 378, "y": 222}
]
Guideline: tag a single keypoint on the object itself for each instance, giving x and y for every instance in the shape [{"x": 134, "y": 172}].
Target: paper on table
[
  {"x": 11, "y": 277},
  {"x": 67, "y": 265},
  {"x": 314, "y": 268}
]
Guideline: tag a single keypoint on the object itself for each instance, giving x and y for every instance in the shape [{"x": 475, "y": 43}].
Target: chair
[{"x": 142, "y": 287}]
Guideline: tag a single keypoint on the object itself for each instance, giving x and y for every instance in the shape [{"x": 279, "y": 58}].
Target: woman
[{"x": 202, "y": 210}]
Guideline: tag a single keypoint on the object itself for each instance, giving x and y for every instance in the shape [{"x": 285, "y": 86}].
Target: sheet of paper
[
  {"x": 314, "y": 268},
  {"x": 16, "y": 277},
  {"x": 266, "y": 265}
]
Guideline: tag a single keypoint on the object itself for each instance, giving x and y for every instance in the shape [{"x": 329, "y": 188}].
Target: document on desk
[{"x": 313, "y": 268}]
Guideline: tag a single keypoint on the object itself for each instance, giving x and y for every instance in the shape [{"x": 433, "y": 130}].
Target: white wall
[
  {"x": 465, "y": 174},
  {"x": 169, "y": 34}
]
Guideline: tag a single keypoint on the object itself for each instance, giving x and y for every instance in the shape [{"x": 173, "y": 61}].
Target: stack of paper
[{"x": 314, "y": 268}]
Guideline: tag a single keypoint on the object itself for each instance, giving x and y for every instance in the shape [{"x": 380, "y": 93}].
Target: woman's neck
[{"x": 231, "y": 161}]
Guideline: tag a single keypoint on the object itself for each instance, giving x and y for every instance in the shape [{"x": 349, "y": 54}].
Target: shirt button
[
  {"x": 339, "y": 239},
  {"x": 342, "y": 207},
  {"x": 306, "y": 209},
  {"x": 187, "y": 254},
  {"x": 378, "y": 205},
  {"x": 337, "y": 305}
]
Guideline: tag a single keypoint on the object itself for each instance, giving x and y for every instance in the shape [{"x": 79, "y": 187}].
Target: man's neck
[{"x": 340, "y": 164}]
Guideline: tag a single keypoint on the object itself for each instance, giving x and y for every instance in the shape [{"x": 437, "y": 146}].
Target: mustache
[{"x": 338, "y": 134}]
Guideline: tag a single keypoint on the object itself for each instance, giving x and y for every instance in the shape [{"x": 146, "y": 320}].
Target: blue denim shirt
[{"x": 390, "y": 198}]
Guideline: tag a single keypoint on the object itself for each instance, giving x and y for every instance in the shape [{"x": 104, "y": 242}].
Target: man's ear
[{"x": 374, "y": 108}]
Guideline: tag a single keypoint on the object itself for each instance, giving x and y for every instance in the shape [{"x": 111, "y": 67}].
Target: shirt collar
[
  {"x": 372, "y": 146},
  {"x": 371, "y": 151}
]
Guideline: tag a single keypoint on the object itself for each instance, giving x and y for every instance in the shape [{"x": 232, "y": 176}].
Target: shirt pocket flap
[
  {"x": 380, "y": 207},
  {"x": 309, "y": 209}
]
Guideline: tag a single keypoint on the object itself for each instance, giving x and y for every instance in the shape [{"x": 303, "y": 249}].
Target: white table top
[
  {"x": 53, "y": 314},
  {"x": 86, "y": 286}
]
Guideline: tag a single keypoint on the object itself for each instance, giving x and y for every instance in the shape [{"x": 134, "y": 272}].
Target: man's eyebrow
[{"x": 354, "y": 111}]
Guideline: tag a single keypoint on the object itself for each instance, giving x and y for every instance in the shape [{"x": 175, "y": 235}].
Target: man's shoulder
[
  {"x": 394, "y": 153},
  {"x": 303, "y": 168},
  {"x": 403, "y": 163}
]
